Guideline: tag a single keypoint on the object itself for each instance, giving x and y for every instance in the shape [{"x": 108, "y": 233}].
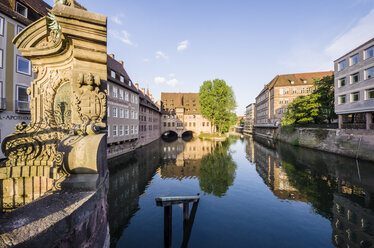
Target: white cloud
[
  {"x": 161, "y": 55},
  {"x": 172, "y": 82},
  {"x": 116, "y": 19},
  {"x": 183, "y": 45},
  {"x": 123, "y": 36},
  {"x": 358, "y": 34},
  {"x": 160, "y": 80}
]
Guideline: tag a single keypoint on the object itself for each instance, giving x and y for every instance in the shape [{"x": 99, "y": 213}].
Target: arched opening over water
[
  {"x": 169, "y": 136},
  {"x": 187, "y": 136}
]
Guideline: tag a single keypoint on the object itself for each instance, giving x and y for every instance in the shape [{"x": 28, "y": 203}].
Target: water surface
[{"x": 253, "y": 194}]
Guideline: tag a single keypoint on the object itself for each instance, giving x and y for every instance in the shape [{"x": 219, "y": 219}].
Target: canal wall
[{"x": 358, "y": 144}]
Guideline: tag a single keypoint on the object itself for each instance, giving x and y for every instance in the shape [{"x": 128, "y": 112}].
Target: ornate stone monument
[{"x": 66, "y": 134}]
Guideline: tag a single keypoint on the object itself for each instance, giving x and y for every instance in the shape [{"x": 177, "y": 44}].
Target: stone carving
[{"x": 68, "y": 101}]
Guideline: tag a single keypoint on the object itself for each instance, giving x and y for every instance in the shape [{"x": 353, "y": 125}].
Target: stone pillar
[
  {"x": 340, "y": 121},
  {"x": 369, "y": 118}
]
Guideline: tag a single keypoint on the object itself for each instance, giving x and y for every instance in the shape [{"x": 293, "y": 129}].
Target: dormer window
[
  {"x": 304, "y": 81},
  {"x": 21, "y": 9},
  {"x": 122, "y": 79},
  {"x": 292, "y": 82},
  {"x": 113, "y": 74}
]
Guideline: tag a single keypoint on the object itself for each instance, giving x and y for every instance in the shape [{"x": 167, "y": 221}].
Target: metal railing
[
  {"x": 354, "y": 126},
  {"x": 22, "y": 107}
]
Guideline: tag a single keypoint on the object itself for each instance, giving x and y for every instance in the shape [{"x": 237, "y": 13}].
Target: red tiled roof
[{"x": 298, "y": 78}]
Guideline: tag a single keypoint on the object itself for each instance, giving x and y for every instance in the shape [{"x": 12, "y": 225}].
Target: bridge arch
[{"x": 169, "y": 136}]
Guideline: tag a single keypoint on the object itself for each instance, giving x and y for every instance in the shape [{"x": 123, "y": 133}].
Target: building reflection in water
[
  {"x": 209, "y": 162},
  {"x": 340, "y": 189}
]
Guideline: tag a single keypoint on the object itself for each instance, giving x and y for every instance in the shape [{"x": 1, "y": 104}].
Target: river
[{"x": 252, "y": 194}]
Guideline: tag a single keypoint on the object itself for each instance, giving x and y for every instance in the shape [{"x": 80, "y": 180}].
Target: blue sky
[{"x": 174, "y": 45}]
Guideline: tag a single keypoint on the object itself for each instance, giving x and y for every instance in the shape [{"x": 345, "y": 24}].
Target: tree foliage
[
  {"x": 217, "y": 170},
  {"x": 218, "y": 103},
  {"x": 318, "y": 107}
]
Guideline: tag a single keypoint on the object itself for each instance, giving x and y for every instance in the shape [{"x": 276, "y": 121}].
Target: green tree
[
  {"x": 324, "y": 90},
  {"x": 218, "y": 103},
  {"x": 318, "y": 107},
  {"x": 217, "y": 170}
]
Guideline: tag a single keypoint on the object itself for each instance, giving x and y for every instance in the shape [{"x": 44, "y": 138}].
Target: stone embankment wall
[{"x": 357, "y": 144}]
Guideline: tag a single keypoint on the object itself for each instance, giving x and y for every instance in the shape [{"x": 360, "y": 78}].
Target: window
[
  {"x": 355, "y": 77},
  {"x": 21, "y": 9},
  {"x": 341, "y": 82},
  {"x": 341, "y": 99},
  {"x": 369, "y": 52},
  {"x": 2, "y": 26},
  {"x": 308, "y": 90},
  {"x": 281, "y": 101},
  {"x": 132, "y": 114},
  {"x": 136, "y": 129},
  {"x": 115, "y": 92},
  {"x": 294, "y": 90},
  {"x": 120, "y": 130},
  {"x": 302, "y": 90},
  {"x": 286, "y": 91},
  {"x": 1, "y": 58},
  {"x": 354, "y": 59},
  {"x": 114, "y": 130},
  {"x": 126, "y": 113},
  {"x": 131, "y": 129},
  {"x": 107, "y": 88},
  {"x": 113, "y": 74},
  {"x": 121, "y": 113},
  {"x": 120, "y": 94},
  {"x": 19, "y": 29},
  {"x": 369, "y": 73},
  {"x": 108, "y": 111},
  {"x": 280, "y": 91},
  {"x": 126, "y": 96},
  {"x": 114, "y": 112},
  {"x": 355, "y": 97},
  {"x": 23, "y": 65},
  {"x": 135, "y": 115},
  {"x": 342, "y": 65},
  {"x": 164, "y": 124},
  {"x": 22, "y": 99},
  {"x": 108, "y": 130},
  {"x": 286, "y": 101},
  {"x": 127, "y": 130},
  {"x": 135, "y": 99},
  {"x": 370, "y": 94},
  {"x": 122, "y": 79}
]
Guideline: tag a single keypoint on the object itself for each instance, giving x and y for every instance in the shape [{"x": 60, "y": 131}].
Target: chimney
[
  {"x": 143, "y": 91},
  {"x": 137, "y": 86},
  {"x": 111, "y": 55},
  {"x": 152, "y": 98},
  {"x": 147, "y": 92},
  {"x": 121, "y": 62},
  {"x": 12, "y": 4}
]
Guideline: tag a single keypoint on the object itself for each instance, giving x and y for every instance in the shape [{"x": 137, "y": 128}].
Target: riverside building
[
  {"x": 354, "y": 87},
  {"x": 181, "y": 113},
  {"x": 273, "y": 100},
  {"x": 123, "y": 109},
  {"x": 249, "y": 119},
  {"x": 149, "y": 118}
]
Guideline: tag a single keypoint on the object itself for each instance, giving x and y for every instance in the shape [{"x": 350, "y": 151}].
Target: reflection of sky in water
[{"x": 287, "y": 197}]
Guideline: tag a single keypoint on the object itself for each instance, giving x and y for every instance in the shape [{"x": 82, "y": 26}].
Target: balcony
[
  {"x": 2, "y": 104},
  {"x": 22, "y": 107}
]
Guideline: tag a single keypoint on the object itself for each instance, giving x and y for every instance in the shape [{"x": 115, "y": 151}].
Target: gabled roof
[
  {"x": 147, "y": 101},
  {"x": 298, "y": 78},
  {"x": 116, "y": 66},
  {"x": 37, "y": 9}
]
